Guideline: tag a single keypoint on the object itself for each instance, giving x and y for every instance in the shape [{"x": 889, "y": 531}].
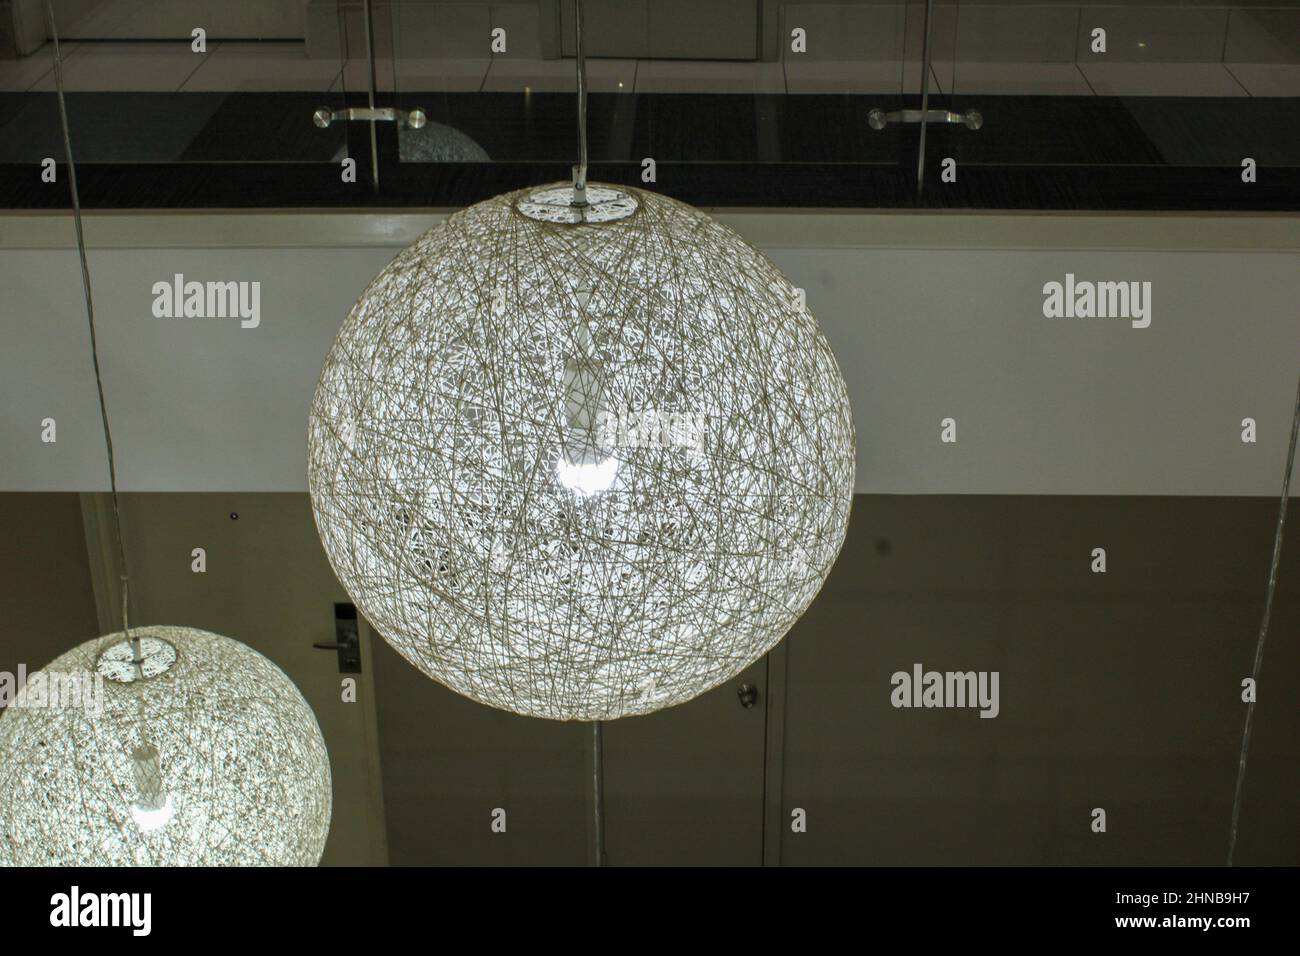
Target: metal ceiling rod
[
  {"x": 580, "y": 199},
  {"x": 580, "y": 170},
  {"x": 925, "y": 94},
  {"x": 323, "y": 117},
  {"x": 878, "y": 119},
  {"x": 368, "y": 16}
]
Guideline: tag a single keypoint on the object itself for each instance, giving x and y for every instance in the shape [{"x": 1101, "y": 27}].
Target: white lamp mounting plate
[
  {"x": 118, "y": 663},
  {"x": 604, "y": 204}
]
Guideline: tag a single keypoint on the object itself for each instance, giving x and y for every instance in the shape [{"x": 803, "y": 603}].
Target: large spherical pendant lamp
[
  {"x": 188, "y": 749},
  {"x": 581, "y": 462}
]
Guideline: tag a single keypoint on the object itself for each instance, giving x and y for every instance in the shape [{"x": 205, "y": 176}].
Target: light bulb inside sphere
[
  {"x": 587, "y": 478},
  {"x": 496, "y": 466},
  {"x": 199, "y": 753},
  {"x": 153, "y": 818},
  {"x": 586, "y": 465}
]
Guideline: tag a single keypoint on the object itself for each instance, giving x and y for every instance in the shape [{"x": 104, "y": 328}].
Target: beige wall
[
  {"x": 1118, "y": 690},
  {"x": 47, "y": 595},
  {"x": 930, "y": 316},
  {"x": 267, "y": 584}
]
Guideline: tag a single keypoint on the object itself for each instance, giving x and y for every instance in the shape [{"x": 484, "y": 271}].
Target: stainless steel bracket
[
  {"x": 413, "y": 119},
  {"x": 879, "y": 119}
]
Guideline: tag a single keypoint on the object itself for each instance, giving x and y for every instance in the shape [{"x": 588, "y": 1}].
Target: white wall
[{"x": 931, "y": 316}]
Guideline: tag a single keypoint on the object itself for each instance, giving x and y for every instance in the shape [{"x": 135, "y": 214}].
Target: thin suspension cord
[
  {"x": 580, "y": 170},
  {"x": 598, "y": 788},
  {"x": 580, "y": 199},
  {"x": 925, "y": 93},
  {"x": 370, "y": 94},
  {"x": 90, "y": 317},
  {"x": 1263, "y": 628}
]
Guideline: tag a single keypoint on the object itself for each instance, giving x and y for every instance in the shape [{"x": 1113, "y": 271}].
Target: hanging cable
[
  {"x": 1263, "y": 628},
  {"x": 598, "y": 788},
  {"x": 90, "y": 317},
  {"x": 925, "y": 93},
  {"x": 580, "y": 170},
  {"x": 367, "y": 17},
  {"x": 580, "y": 199}
]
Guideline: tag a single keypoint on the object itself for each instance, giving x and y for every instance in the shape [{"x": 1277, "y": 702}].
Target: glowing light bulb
[
  {"x": 149, "y": 820},
  {"x": 589, "y": 479},
  {"x": 587, "y": 465},
  {"x": 153, "y": 806}
]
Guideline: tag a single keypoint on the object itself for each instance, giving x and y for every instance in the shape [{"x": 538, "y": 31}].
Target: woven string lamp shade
[
  {"x": 438, "y": 143},
  {"x": 581, "y": 465},
  {"x": 204, "y": 754}
]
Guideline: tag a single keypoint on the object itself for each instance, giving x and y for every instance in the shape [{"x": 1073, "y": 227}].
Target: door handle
[{"x": 347, "y": 639}]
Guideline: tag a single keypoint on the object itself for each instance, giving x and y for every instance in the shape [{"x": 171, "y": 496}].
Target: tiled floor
[
  {"x": 440, "y": 75},
  {"x": 1267, "y": 79},
  {"x": 126, "y": 67},
  {"x": 235, "y": 66},
  {"x": 284, "y": 66},
  {"x": 1162, "y": 79},
  {"x": 701, "y": 76},
  {"x": 557, "y": 76},
  {"x": 1013, "y": 79},
  {"x": 19, "y": 75},
  {"x": 834, "y": 76}
]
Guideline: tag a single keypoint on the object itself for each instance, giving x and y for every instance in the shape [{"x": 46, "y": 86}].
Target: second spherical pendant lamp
[
  {"x": 187, "y": 749},
  {"x": 157, "y": 746},
  {"x": 579, "y": 452}
]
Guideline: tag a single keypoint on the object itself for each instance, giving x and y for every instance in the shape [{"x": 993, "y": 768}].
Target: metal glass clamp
[
  {"x": 879, "y": 119},
  {"x": 415, "y": 119}
]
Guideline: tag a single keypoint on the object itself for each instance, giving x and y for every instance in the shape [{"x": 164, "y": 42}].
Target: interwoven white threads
[
  {"x": 473, "y": 506},
  {"x": 240, "y": 776}
]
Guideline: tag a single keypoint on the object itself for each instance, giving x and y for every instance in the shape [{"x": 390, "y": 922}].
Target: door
[{"x": 267, "y": 584}]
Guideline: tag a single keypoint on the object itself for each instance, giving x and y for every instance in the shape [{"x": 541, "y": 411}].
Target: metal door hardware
[
  {"x": 748, "y": 695},
  {"x": 879, "y": 119},
  {"x": 415, "y": 119},
  {"x": 348, "y": 639}
]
